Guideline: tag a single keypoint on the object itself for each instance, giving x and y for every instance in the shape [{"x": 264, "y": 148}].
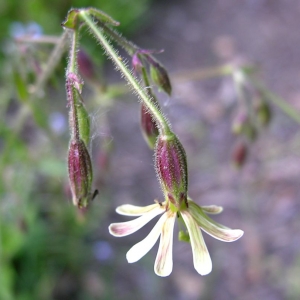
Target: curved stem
[
  {"x": 113, "y": 55},
  {"x": 130, "y": 47},
  {"x": 72, "y": 68},
  {"x": 278, "y": 101}
]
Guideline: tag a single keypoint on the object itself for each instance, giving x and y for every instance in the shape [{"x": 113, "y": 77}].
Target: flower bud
[
  {"x": 149, "y": 128},
  {"x": 80, "y": 173},
  {"x": 171, "y": 168},
  {"x": 239, "y": 154},
  {"x": 85, "y": 66},
  {"x": 160, "y": 77}
]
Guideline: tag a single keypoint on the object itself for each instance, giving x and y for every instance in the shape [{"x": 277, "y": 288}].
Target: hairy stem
[
  {"x": 130, "y": 47},
  {"x": 72, "y": 68},
  {"x": 113, "y": 55}
]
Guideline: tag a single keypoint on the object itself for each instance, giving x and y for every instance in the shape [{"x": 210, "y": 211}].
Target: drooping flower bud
[
  {"x": 160, "y": 76},
  {"x": 239, "y": 154},
  {"x": 149, "y": 128},
  {"x": 80, "y": 173},
  {"x": 171, "y": 168},
  {"x": 85, "y": 66}
]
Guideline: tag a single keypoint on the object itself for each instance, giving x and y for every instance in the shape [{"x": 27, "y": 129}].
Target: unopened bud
[
  {"x": 160, "y": 77},
  {"x": 148, "y": 126},
  {"x": 80, "y": 174},
  {"x": 86, "y": 66},
  {"x": 239, "y": 154},
  {"x": 171, "y": 167}
]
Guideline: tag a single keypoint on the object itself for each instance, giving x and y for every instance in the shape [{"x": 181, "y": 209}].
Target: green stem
[
  {"x": 239, "y": 83},
  {"x": 281, "y": 103},
  {"x": 72, "y": 65},
  {"x": 111, "y": 52},
  {"x": 130, "y": 47},
  {"x": 147, "y": 85},
  {"x": 72, "y": 68}
]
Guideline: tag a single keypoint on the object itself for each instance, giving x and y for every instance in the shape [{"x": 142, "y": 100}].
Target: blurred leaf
[
  {"x": 20, "y": 85},
  {"x": 53, "y": 167}
]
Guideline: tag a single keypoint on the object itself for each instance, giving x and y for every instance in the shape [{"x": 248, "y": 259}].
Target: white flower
[{"x": 193, "y": 216}]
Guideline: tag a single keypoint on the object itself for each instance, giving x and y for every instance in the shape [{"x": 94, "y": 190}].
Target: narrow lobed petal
[
  {"x": 144, "y": 246},
  {"x": 126, "y": 228},
  {"x": 213, "y": 228},
  {"x": 212, "y": 209},
  {"x": 133, "y": 210},
  {"x": 164, "y": 260},
  {"x": 201, "y": 257},
  {"x": 197, "y": 210}
]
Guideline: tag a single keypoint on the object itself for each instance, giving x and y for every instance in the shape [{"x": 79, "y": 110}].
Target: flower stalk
[
  {"x": 79, "y": 161},
  {"x": 170, "y": 159},
  {"x": 131, "y": 79}
]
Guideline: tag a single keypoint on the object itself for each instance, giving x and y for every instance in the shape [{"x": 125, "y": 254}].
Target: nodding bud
[
  {"x": 148, "y": 127},
  {"x": 85, "y": 66},
  {"x": 263, "y": 112},
  {"x": 160, "y": 76},
  {"x": 239, "y": 154},
  {"x": 171, "y": 168},
  {"x": 80, "y": 174}
]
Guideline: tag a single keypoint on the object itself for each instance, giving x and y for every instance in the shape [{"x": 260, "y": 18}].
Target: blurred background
[{"x": 49, "y": 250}]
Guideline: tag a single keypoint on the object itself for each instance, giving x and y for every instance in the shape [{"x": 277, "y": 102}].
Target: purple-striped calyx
[
  {"x": 80, "y": 173},
  {"x": 171, "y": 168}
]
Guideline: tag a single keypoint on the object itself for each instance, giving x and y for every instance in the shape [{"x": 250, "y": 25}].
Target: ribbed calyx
[
  {"x": 160, "y": 77},
  {"x": 171, "y": 167},
  {"x": 80, "y": 173}
]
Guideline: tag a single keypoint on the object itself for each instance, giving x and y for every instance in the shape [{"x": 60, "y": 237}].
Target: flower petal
[
  {"x": 213, "y": 228},
  {"x": 195, "y": 208},
  {"x": 201, "y": 257},
  {"x": 212, "y": 209},
  {"x": 164, "y": 260},
  {"x": 133, "y": 210},
  {"x": 126, "y": 228},
  {"x": 143, "y": 247}
]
